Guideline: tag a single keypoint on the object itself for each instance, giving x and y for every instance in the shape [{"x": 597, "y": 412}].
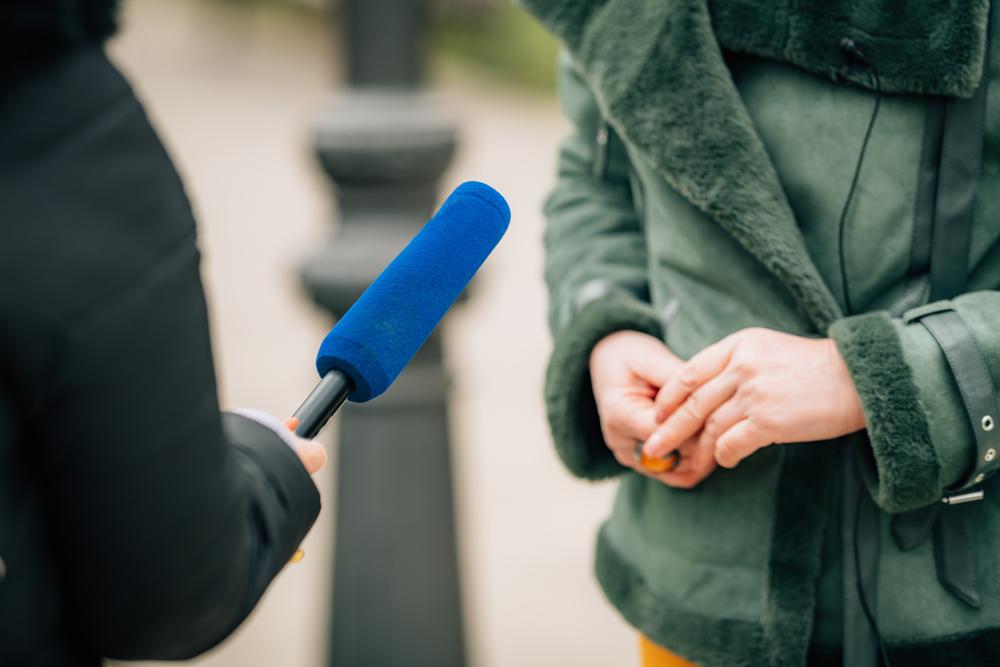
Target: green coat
[{"x": 699, "y": 195}]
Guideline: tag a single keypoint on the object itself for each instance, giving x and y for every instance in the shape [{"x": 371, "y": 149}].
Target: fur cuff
[
  {"x": 573, "y": 419},
  {"x": 908, "y": 468}
]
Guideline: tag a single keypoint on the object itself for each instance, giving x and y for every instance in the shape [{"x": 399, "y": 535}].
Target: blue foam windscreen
[{"x": 385, "y": 327}]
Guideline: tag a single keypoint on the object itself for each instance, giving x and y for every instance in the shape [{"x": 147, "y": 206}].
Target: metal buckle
[{"x": 958, "y": 499}]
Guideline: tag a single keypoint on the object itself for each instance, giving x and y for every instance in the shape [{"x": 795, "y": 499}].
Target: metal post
[{"x": 384, "y": 145}]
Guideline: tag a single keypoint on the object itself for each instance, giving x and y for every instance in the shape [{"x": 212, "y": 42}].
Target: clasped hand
[{"x": 752, "y": 389}]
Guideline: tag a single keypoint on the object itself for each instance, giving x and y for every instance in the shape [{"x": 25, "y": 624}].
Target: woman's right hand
[{"x": 627, "y": 369}]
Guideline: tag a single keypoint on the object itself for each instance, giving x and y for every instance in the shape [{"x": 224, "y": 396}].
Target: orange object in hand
[
  {"x": 657, "y": 465},
  {"x": 666, "y": 464}
]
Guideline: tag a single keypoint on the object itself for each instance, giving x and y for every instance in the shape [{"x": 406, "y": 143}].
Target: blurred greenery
[
  {"x": 501, "y": 39},
  {"x": 494, "y": 37}
]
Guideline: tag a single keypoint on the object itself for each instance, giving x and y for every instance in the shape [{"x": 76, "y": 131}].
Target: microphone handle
[{"x": 322, "y": 402}]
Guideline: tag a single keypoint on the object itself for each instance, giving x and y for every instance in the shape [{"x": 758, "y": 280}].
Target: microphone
[{"x": 371, "y": 344}]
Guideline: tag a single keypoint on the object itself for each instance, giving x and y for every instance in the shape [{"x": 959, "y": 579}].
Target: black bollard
[{"x": 384, "y": 145}]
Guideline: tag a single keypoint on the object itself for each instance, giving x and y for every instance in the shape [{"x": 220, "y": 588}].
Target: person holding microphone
[{"x": 137, "y": 521}]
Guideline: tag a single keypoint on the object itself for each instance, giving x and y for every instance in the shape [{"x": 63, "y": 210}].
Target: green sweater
[{"x": 713, "y": 207}]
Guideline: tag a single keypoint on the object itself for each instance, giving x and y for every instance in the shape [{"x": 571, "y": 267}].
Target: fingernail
[{"x": 652, "y": 445}]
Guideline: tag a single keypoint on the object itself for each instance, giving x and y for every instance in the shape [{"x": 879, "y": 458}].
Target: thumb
[
  {"x": 641, "y": 422},
  {"x": 311, "y": 453}
]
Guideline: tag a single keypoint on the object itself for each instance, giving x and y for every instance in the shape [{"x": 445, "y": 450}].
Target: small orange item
[
  {"x": 654, "y": 655},
  {"x": 666, "y": 464},
  {"x": 297, "y": 556}
]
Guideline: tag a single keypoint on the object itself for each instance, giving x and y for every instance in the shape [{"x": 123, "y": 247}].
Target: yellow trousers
[{"x": 653, "y": 655}]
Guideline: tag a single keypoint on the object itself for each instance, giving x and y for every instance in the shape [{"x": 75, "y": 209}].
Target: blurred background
[{"x": 237, "y": 89}]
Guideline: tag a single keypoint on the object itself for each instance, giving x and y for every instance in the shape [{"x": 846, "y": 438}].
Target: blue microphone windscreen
[{"x": 385, "y": 327}]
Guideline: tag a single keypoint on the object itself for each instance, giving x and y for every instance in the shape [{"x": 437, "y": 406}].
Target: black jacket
[
  {"x": 135, "y": 520},
  {"x": 33, "y": 33}
]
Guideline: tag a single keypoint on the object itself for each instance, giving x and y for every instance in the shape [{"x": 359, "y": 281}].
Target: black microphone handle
[{"x": 322, "y": 402}]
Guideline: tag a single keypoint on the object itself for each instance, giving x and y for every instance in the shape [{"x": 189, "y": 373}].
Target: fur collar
[
  {"x": 924, "y": 47},
  {"x": 657, "y": 71}
]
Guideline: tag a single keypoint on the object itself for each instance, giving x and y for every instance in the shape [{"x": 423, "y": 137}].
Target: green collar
[{"x": 657, "y": 71}]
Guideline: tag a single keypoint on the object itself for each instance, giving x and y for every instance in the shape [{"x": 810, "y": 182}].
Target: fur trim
[
  {"x": 920, "y": 47},
  {"x": 659, "y": 77},
  {"x": 796, "y": 550},
  {"x": 908, "y": 468},
  {"x": 576, "y": 428},
  {"x": 708, "y": 642}
]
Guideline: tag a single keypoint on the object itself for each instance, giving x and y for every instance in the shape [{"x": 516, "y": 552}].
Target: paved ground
[{"x": 235, "y": 92}]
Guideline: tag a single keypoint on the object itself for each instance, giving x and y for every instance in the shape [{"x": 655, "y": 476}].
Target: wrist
[{"x": 848, "y": 403}]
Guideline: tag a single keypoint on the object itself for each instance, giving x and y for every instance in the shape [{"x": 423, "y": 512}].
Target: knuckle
[
  {"x": 724, "y": 450},
  {"x": 614, "y": 421},
  {"x": 710, "y": 432},
  {"x": 749, "y": 390},
  {"x": 688, "y": 378},
  {"x": 741, "y": 363},
  {"x": 761, "y": 421},
  {"x": 693, "y": 408}
]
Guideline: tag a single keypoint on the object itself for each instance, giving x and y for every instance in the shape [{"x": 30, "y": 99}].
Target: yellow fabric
[{"x": 653, "y": 655}]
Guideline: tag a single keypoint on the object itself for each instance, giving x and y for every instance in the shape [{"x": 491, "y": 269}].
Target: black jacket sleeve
[
  {"x": 169, "y": 520},
  {"x": 164, "y": 519}
]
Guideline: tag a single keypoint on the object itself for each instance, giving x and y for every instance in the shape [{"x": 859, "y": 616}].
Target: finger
[
  {"x": 636, "y": 425},
  {"x": 311, "y": 453},
  {"x": 690, "y": 417},
  {"x": 625, "y": 448},
  {"x": 739, "y": 442},
  {"x": 657, "y": 368},
  {"x": 697, "y": 462},
  {"x": 726, "y": 416},
  {"x": 701, "y": 368}
]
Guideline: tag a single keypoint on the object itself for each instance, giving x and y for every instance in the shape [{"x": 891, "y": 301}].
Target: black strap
[
  {"x": 961, "y": 154},
  {"x": 955, "y": 554},
  {"x": 975, "y": 385},
  {"x": 954, "y": 540}
]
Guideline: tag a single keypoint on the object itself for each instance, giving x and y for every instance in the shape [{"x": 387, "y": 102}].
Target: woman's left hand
[{"x": 755, "y": 388}]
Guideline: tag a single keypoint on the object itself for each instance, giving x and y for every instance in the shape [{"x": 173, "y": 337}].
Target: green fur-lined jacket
[{"x": 699, "y": 194}]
